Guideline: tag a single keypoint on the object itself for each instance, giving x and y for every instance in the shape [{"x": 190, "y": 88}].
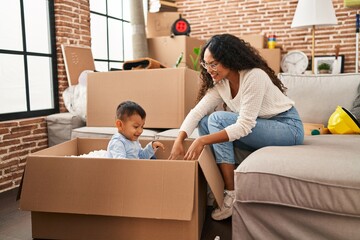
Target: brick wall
[
  {"x": 263, "y": 17},
  {"x": 17, "y": 140},
  {"x": 20, "y": 137},
  {"x": 72, "y": 20}
]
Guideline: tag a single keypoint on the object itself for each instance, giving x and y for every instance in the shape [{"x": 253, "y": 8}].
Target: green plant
[
  {"x": 324, "y": 66},
  {"x": 195, "y": 61}
]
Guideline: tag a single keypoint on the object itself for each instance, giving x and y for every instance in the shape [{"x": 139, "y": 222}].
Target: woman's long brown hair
[{"x": 236, "y": 54}]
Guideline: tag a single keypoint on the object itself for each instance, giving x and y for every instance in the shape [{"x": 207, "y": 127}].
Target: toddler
[{"x": 130, "y": 121}]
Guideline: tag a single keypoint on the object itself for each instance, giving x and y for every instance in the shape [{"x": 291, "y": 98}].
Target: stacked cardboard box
[
  {"x": 165, "y": 47},
  {"x": 167, "y": 95},
  {"x": 272, "y": 56},
  {"x": 168, "y": 50},
  {"x": 159, "y": 24},
  {"x": 162, "y": 6}
]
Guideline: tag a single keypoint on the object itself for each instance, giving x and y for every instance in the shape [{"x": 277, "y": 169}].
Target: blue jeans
[{"x": 284, "y": 129}]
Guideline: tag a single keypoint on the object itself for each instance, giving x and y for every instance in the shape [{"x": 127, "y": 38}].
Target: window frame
[
  {"x": 108, "y": 60},
  {"x": 25, "y": 54}
]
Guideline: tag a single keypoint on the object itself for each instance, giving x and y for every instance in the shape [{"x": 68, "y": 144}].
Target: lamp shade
[{"x": 314, "y": 13}]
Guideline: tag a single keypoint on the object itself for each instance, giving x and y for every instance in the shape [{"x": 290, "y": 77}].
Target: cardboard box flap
[
  {"x": 212, "y": 174},
  {"x": 77, "y": 59},
  {"x": 77, "y": 147},
  {"x": 113, "y": 187}
]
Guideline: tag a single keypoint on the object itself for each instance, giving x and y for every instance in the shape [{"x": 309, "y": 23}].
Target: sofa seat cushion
[
  {"x": 321, "y": 175},
  {"x": 107, "y": 132}
]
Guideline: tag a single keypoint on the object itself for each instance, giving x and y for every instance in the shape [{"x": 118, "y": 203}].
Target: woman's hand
[
  {"x": 177, "y": 150},
  {"x": 194, "y": 150},
  {"x": 198, "y": 145}
]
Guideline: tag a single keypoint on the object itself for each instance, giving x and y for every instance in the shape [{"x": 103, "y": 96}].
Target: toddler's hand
[{"x": 156, "y": 145}]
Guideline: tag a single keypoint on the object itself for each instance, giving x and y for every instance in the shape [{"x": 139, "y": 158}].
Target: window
[
  {"x": 110, "y": 26},
  {"x": 28, "y": 83},
  {"x": 111, "y": 40}
]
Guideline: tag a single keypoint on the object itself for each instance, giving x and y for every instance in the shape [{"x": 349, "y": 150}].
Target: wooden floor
[{"x": 15, "y": 224}]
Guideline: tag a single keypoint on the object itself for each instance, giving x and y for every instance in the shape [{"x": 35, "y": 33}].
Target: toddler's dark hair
[{"x": 129, "y": 108}]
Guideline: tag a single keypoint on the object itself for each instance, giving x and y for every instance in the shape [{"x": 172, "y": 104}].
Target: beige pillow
[{"x": 317, "y": 96}]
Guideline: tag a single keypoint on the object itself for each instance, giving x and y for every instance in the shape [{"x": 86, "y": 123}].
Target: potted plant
[
  {"x": 324, "y": 68},
  {"x": 195, "y": 61}
]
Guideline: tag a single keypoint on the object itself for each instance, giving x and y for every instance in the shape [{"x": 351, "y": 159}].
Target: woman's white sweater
[{"x": 257, "y": 97}]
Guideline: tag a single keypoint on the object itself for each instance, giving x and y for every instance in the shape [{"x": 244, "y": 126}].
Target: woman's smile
[{"x": 216, "y": 77}]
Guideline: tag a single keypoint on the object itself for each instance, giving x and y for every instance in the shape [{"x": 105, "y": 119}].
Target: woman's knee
[
  {"x": 215, "y": 118},
  {"x": 221, "y": 119}
]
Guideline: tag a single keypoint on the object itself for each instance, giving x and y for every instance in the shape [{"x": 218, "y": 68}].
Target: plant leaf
[
  {"x": 192, "y": 59},
  {"x": 197, "y": 51}
]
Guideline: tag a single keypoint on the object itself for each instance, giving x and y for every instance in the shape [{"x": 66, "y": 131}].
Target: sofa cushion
[
  {"x": 60, "y": 126},
  {"x": 321, "y": 175},
  {"x": 317, "y": 96}
]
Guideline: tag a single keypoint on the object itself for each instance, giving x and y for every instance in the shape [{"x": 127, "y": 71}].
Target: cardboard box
[
  {"x": 168, "y": 49},
  {"x": 101, "y": 198},
  {"x": 162, "y": 6},
  {"x": 159, "y": 24},
  {"x": 273, "y": 58},
  {"x": 77, "y": 59},
  {"x": 255, "y": 40},
  {"x": 167, "y": 95}
]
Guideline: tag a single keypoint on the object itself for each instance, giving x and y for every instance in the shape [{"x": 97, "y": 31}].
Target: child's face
[{"x": 131, "y": 127}]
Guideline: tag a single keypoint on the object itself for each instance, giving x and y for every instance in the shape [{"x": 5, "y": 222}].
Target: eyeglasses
[{"x": 211, "y": 66}]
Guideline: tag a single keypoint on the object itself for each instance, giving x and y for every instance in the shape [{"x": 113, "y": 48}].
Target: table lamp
[{"x": 311, "y": 13}]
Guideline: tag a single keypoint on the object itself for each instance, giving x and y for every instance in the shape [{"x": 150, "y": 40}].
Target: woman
[{"x": 260, "y": 114}]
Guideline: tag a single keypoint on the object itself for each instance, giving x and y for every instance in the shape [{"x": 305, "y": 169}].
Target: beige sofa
[{"x": 310, "y": 191}]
